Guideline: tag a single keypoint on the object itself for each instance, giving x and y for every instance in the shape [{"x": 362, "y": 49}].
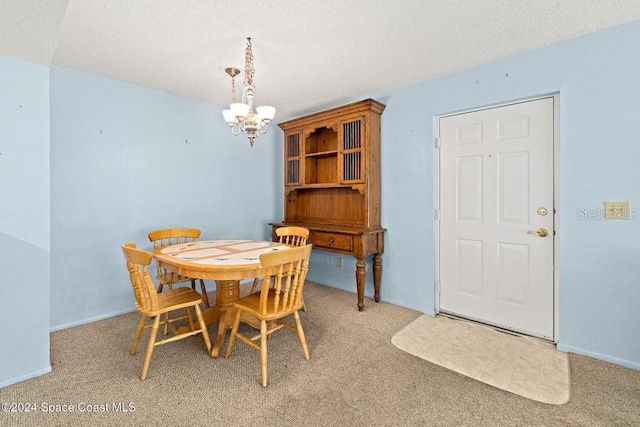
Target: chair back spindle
[
  {"x": 293, "y": 236},
  {"x": 173, "y": 236}
]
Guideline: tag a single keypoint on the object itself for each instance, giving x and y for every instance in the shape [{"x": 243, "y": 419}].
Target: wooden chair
[
  {"x": 292, "y": 236},
  {"x": 173, "y": 236},
  {"x": 152, "y": 305},
  {"x": 279, "y": 296}
]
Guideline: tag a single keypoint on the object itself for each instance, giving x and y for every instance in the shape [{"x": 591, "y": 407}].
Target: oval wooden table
[{"x": 227, "y": 262}]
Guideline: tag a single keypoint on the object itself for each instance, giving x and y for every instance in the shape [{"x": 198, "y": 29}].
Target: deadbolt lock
[{"x": 542, "y": 211}]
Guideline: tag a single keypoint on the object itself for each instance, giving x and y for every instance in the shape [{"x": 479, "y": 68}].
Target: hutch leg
[
  {"x": 377, "y": 275},
  {"x": 360, "y": 279}
]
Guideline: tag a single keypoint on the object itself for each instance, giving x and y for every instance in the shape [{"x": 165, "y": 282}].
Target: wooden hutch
[{"x": 332, "y": 184}]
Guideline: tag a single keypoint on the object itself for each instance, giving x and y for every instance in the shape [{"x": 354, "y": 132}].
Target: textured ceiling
[{"x": 309, "y": 55}]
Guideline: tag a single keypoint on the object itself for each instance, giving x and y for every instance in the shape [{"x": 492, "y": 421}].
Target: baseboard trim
[
  {"x": 25, "y": 377},
  {"x": 369, "y": 295},
  {"x": 90, "y": 320},
  {"x": 599, "y": 356}
]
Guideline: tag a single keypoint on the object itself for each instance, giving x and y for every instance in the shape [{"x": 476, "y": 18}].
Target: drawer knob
[{"x": 331, "y": 241}]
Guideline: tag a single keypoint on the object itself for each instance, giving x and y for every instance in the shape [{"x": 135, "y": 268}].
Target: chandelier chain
[
  {"x": 233, "y": 89},
  {"x": 248, "y": 65}
]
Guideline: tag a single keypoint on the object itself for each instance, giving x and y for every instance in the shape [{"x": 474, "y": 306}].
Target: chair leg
[
  {"x": 136, "y": 338},
  {"x": 232, "y": 336},
  {"x": 193, "y": 284},
  {"x": 203, "y": 328},
  {"x": 150, "y": 345},
  {"x": 303, "y": 340},
  {"x": 304, "y": 305},
  {"x": 263, "y": 352},
  {"x": 205, "y": 297},
  {"x": 254, "y": 286},
  {"x": 166, "y": 324},
  {"x": 189, "y": 317}
]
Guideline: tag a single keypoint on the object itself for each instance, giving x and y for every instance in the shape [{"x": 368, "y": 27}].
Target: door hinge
[
  {"x": 437, "y": 141},
  {"x": 436, "y": 214},
  {"x": 438, "y": 286}
]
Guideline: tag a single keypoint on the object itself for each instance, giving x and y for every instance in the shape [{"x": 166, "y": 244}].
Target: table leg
[
  {"x": 360, "y": 279},
  {"x": 211, "y": 315},
  {"x": 227, "y": 292},
  {"x": 377, "y": 275}
]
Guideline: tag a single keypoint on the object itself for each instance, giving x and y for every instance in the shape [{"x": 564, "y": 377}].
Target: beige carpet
[
  {"x": 355, "y": 377},
  {"x": 524, "y": 366}
]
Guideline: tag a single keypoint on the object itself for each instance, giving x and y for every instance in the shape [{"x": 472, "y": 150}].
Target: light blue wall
[
  {"x": 123, "y": 160},
  {"x": 598, "y": 80},
  {"x": 126, "y": 160},
  {"x": 24, "y": 221}
]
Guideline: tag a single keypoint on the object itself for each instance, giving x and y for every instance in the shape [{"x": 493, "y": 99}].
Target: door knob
[{"x": 540, "y": 232}]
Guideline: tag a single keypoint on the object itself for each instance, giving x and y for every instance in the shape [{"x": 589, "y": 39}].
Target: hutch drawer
[{"x": 321, "y": 239}]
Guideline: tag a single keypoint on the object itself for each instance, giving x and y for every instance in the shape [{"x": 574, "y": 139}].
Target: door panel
[
  {"x": 496, "y": 171},
  {"x": 470, "y": 254},
  {"x": 469, "y": 178}
]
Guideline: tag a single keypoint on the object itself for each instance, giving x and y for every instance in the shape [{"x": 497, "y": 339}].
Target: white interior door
[{"x": 496, "y": 203}]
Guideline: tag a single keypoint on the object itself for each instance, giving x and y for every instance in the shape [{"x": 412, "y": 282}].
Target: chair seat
[
  {"x": 175, "y": 299},
  {"x": 251, "y": 303}
]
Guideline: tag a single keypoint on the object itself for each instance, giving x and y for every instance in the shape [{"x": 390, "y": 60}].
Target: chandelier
[{"x": 240, "y": 116}]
